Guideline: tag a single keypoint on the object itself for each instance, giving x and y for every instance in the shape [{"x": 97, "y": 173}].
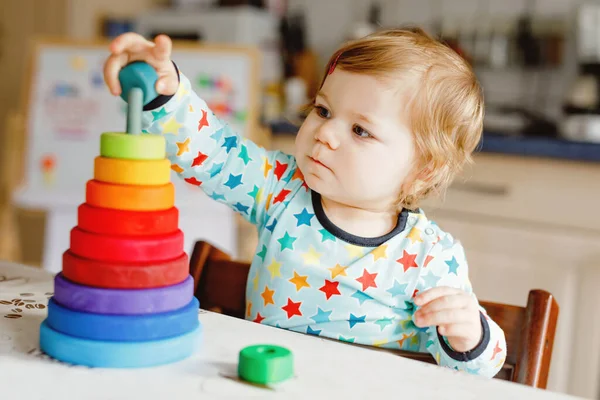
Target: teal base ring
[{"x": 107, "y": 354}]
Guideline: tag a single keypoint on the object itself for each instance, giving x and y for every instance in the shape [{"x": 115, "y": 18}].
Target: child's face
[{"x": 355, "y": 147}]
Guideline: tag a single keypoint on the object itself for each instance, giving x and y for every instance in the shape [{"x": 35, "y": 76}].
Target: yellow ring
[{"x": 132, "y": 172}]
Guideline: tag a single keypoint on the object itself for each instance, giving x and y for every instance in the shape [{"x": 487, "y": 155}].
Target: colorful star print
[
  {"x": 215, "y": 169},
  {"x": 325, "y": 235},
  {"x": 274, "y": 268},
  {"x": 368, "y": 280},
  {"x": 304, "y": 217},
  {"x": 311, "y": 257},
  {"x": 156, "y": 115},
  {"x": 292, "y": 308},
  {"x": 398, "y": 289},
  {"x": 279, "y": 169},
  {"x": 380, "y": 252},
  {"x": 337, "y": 270},
  {"x": 361, "y": 296},
  {"x": 234, "y": 181},
  {"x": 193, "y": 181},
  {"x": 267, "y": 296},
  {"x": 452, "y": 266},
  {"x": 299, "y": 281},
  {"x": 200, "y": 158},
  {"x": 287, "y": 242},
  {"x": 183, "y": 147},
  {"x": 408, "y": 261},
  {"x": 306, "y": 277},
  {"x": 203, "y": 121},
  {"x": 356, "y": 320},
  {"x": 230, "y": 143},
  {"x": 321, "y": 316},
  {"x": 330, "y": 289},
  {"x": 171, "y": 126},
  {"x": 244, "y": 155}
]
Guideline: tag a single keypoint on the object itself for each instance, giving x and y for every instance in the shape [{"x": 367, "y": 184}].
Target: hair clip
[{"x": 333, "y": 64}]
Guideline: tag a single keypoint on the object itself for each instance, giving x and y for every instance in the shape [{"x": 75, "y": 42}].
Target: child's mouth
[{"x": 319, "y": 163}]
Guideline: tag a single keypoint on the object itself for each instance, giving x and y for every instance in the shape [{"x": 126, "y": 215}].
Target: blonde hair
[{"x": 446, "y": 108}]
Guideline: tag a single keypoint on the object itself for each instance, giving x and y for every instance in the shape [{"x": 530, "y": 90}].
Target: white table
[{"x": 323, "y": 368}]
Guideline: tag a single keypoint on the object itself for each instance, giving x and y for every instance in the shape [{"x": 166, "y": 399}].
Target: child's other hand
[
  {"x": 455, "y": 313},
  {"x": 130, "y": 47}
]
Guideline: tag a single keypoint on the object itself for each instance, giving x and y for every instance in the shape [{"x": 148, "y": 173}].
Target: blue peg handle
[{"x": 138, "y": 88}]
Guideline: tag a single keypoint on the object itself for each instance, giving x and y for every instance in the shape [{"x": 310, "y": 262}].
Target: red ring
[
  {"x": 110, "y": 221},
  {"x": 124, "y": 275},
  {"x": 136, "y": 249}
]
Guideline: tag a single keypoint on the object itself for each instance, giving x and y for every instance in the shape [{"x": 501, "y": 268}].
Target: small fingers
[
  {"x": 130, "y": 42},
  {"x": 455, "y": 301},
  {"x": 434, "y": 293},
  {"x": 167, "y": 85},
  {"x": 443, "y": 317},
  {"x": 456, "y": 330},
  {"x": 163, "y": 47},
  {"x": 112, "y": 66}
]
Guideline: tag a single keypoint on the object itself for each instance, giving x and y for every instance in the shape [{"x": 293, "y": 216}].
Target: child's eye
[
  {"x": 360, "y": 132},
  {"x": 322, "y": 112}
]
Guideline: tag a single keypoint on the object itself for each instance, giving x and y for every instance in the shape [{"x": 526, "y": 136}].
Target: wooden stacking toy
[{"x": 124, "y": 297}]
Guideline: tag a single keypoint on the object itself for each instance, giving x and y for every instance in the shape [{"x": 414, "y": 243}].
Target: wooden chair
[{"x": 220, "y": 285}]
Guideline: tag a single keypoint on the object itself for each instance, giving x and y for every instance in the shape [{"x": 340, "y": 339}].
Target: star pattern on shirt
[
  {"x": 299, "y": 281},
  {"x": 287, "y": 241},
  {"x": 408, "y": 260},
  {"x": 303, "y": 277},
  {"x": 171, "y": 126},
  {"x": 203, "y": 122},
  {"x": 312, "y": 257},
  {"x": 367, "y": 280},
  {"x": 267, "y": 296},
  {"x": 274, "y": 268},
  {"x": 183, "y": 147},
  {"x": 330, "y": 289},
  {"x": 452, "y": 266},
  {"x": 304, "y": 217},
  {"x": 380, "y": 252},
  {"x": 337, "y": 271},
  {"x": 292, "y": 308}
]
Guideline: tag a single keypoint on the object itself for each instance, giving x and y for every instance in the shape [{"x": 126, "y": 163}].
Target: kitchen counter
[{"x": 515, "y": 145}]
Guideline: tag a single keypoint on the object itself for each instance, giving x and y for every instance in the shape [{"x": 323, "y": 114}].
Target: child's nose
[{"x": 327, "y": 134}]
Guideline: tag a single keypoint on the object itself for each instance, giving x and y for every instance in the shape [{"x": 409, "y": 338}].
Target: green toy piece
[{"x": 265, "y": 364}]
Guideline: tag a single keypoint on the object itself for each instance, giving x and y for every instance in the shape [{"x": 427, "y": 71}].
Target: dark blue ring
[{"x": 123, "y": 328}]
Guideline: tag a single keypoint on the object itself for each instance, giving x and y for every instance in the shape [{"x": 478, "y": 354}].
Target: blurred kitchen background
[{"x": 527, "y": 211}]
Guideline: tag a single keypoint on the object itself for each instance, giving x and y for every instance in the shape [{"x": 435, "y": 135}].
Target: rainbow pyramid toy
[{"x": 124, "y": 297}]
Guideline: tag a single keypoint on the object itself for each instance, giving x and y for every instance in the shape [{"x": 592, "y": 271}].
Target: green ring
[
  {"x": 132, "y": 147},
  {"x": 265, "y": 364}
]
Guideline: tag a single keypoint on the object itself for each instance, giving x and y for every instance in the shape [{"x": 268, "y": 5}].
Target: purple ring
[{"x": 122, "y": 301}]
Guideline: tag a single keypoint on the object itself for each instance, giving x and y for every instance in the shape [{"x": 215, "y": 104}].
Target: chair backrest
[{"x": 220, "y": 285}]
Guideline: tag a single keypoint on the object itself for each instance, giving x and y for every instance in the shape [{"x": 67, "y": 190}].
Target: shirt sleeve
[
  {"x": 205, "y": 152},
  {"x": 446, "y": 265}
]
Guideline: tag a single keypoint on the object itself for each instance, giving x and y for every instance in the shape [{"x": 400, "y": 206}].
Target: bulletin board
[{"x": 68, "y": 107}]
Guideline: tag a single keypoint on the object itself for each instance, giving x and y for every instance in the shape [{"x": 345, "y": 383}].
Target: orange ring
[
  {"x": 132, "y": 172},
  {"x": 129, "y": 197}
]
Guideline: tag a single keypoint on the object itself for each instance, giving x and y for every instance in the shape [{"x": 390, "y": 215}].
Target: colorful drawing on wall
[
  {"x": 68, "y": 110},
  {"x": 220, "y": 98},
  {"x": 78, "y": 63},
  {"x": 48, "y": 167}
]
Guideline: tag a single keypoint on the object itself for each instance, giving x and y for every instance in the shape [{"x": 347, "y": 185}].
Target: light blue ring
[{"x": 106, "y": 354}]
